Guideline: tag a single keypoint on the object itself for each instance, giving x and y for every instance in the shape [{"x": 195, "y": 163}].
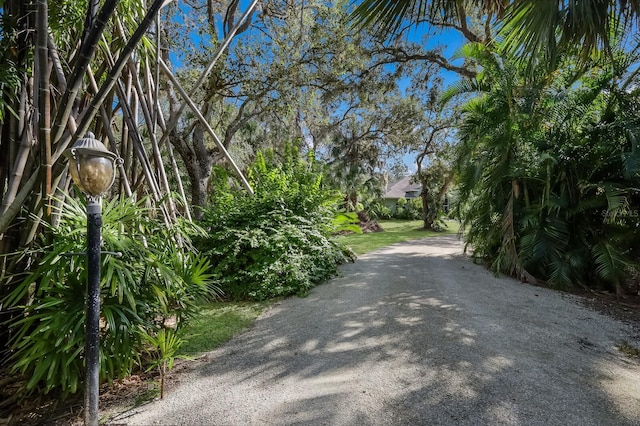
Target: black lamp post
[{"x": 92, "y": 168}]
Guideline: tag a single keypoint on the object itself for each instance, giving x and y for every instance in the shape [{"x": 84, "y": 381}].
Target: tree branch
[{"x": 398, "y": 55}]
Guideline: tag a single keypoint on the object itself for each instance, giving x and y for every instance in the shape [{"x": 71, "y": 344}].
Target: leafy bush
[
  {"x": 377, "y": 210},
  {"x": 155, "y": 284},
  {"x": 548, "y": 177},
  {"x": 410, "y": 209},
  {"x": 346, "y": 222},
  {"x": 276, "y": 242}
]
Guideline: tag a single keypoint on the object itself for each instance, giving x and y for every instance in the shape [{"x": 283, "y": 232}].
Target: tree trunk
[
  {"x": 199, "y": 169},
  {"x": 203, "y": 122},
  {"x": 426, "y": 209}
]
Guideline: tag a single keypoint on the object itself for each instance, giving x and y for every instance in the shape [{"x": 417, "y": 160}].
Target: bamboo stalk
[
  {"x": 146, "y": 111},
  {"x": 176, "y": 172},
  {"x": 12, "y": 209},
  {"x": 142, "y": 156},
  {"x": 15, "y": 128},
  {"x": 74, "y": 82},
  {"x": 125, "y": 146},
  {"x": 156, "y": 91},
  {"x": 174, "y": 164},
  {"x": 119, "y": 65},
  {"x": 139, "y": 150},
  {"x": 22, "y": 113},
  {"x": 106, "y": 122},
  {"x": 92, "y": 11},
  {"x": 20, "y": 160},
  {"x": 33, "y": 221},
  {"x": 57, "y": 65},
  {"x": 62, "y": 188},
  {"x": 205, "y": 124}
]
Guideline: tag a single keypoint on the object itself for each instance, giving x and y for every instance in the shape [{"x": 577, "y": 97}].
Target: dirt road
[{"x": 414, "y": 334}]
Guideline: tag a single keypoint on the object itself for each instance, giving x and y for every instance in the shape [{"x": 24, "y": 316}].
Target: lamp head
[{"x": 92, "y": 165}]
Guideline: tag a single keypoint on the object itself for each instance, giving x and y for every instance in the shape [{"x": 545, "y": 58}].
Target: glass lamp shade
[
  {"x": 91, "y": 165},
  {"x": 93, "y": 175}
]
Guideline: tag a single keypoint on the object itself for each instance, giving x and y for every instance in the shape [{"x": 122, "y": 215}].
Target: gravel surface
[{"x": 414, "y": 334}]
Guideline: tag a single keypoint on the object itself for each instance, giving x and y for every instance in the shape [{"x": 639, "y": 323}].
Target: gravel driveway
[{"x": 414, "y": 334}]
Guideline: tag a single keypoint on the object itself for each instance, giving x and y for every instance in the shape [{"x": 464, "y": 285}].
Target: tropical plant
[
  {"x": 63, "y": 73},
  {"x": 543, "y": 32},
  {"x": 164, "y": 349},
  {"x": 547, "y": 169},
  {"x": 491, "y": 155},
  {"x": 376, "y": 210},
  {"x": 409, "y": 209},
  {"x": 538, "y": 31},
  {"x": 346, "y": 222},
  {"x": 275, "y": 243},
  {"x": 152, "y": 283},
  {"x": 579, "y": 228}
]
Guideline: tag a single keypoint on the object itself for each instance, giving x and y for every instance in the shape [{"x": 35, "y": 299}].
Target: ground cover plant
[{"x": 147, "y": 295}]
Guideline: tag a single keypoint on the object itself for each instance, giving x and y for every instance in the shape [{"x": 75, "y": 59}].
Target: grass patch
[
  {"x": 395, "y": 231},
  {"x": 217, "y": 323}
]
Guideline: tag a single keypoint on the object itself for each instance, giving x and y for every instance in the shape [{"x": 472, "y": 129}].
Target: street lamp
[{"x": 92, "y": 168}]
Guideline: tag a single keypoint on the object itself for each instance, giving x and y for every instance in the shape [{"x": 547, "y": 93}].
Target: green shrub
[
  {"x": 346, "y": 222},
  {"x": 154, "y": 285},
  {"x": 276, "y": 242},
  {"x": 378, "y": 211},
  {"x": 410, "y": 209}
]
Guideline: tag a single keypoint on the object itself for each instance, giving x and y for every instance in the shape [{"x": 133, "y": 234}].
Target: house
[{"x": 401, "y": 189}]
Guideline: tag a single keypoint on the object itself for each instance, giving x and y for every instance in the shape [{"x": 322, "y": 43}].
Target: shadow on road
[{"x": 418, "y": 334}]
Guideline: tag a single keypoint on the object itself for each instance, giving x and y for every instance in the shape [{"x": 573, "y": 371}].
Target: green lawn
[
  {"x": 217, "y": 323},
  {"x": 395, "y": 231}
]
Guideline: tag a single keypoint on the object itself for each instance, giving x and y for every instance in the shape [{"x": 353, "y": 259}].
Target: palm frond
[
  {"x": 458, "y": 88},
  {"x": 541, "y": 29},
  {"x": 387, "y": 15},
  {"x": 611, "y": 263}
]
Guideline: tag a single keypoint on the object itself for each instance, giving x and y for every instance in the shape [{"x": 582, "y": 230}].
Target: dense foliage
[
  {"x": 292, "y": 70},
  {"x": 410, "y": 209},
  {"x": 146, "y": 295},
  {"x": 277, "y": 242},
  {"x": 547, "y": 165},
  {"x": 548, "y": 171}
]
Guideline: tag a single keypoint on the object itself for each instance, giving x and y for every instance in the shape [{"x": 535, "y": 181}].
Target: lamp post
[{"x": 92, "y": 168}]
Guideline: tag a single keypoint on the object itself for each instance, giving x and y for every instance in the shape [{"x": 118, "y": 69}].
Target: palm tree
[
  {"x": 530, "y": 28},
  {"x": 389, "y": 15},
  {"x": 490, "y": 158},
  {"x": 548, "y": 168}
]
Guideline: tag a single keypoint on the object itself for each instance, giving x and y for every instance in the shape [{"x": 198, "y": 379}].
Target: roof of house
[{"x": 401, "y": 188}]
